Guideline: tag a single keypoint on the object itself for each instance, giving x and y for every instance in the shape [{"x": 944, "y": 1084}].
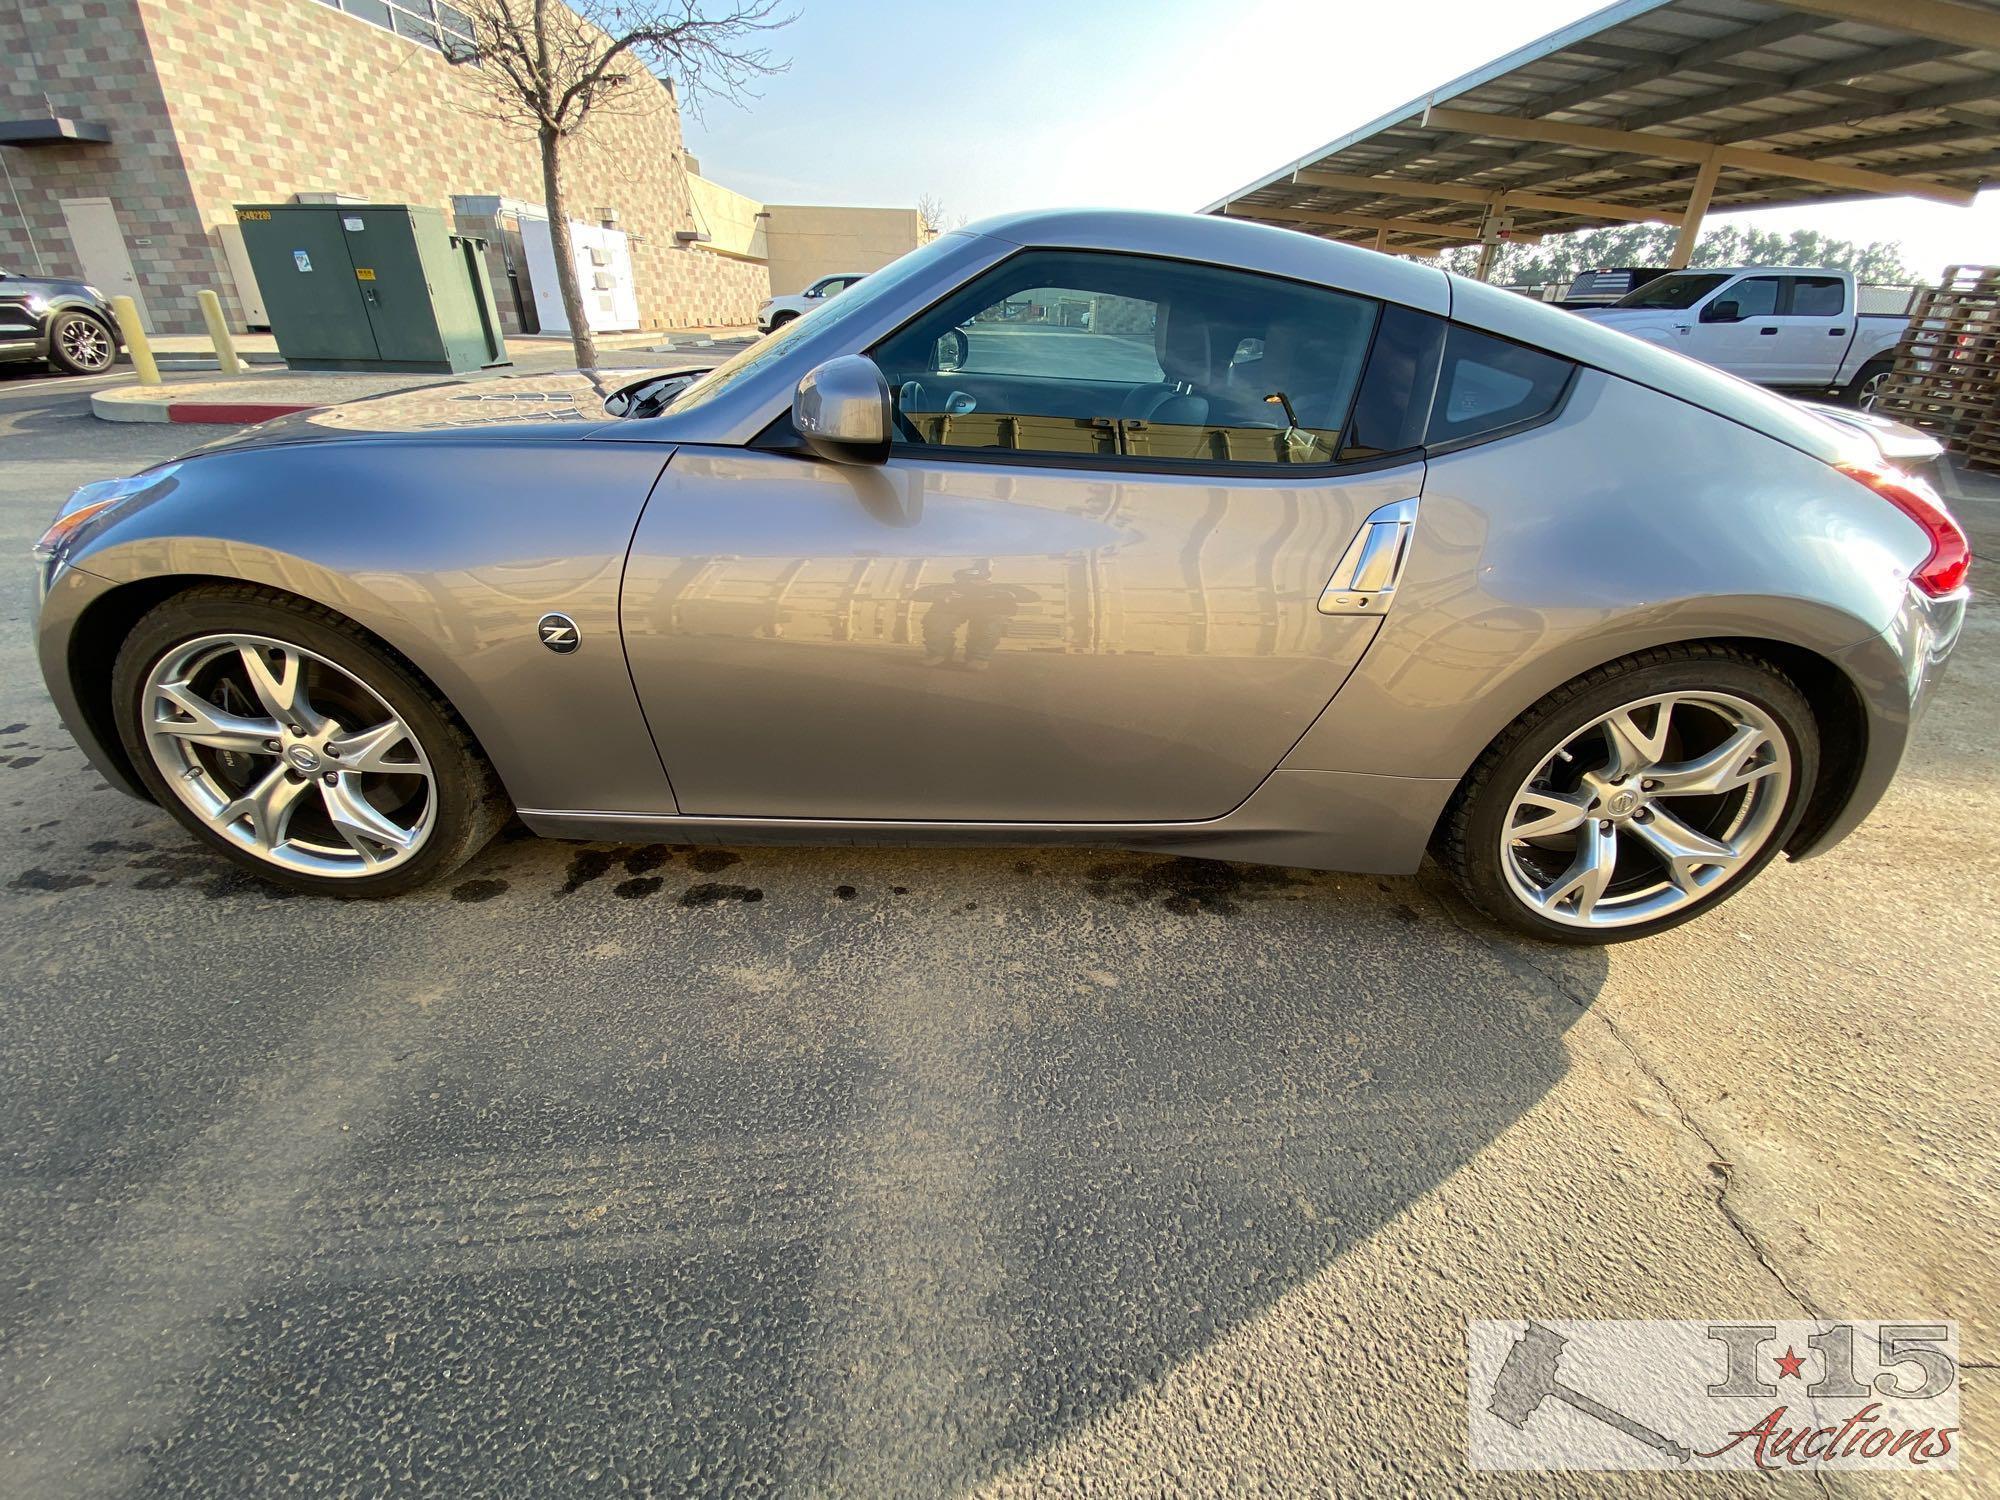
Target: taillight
[{"x": 1951, "y": 555}]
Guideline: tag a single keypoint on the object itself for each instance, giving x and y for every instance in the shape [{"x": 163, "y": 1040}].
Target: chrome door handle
[{"x": 1365, "y": 582}]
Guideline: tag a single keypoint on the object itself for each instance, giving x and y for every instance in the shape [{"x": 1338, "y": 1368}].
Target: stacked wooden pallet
[{"x": 1946, "y": 378}]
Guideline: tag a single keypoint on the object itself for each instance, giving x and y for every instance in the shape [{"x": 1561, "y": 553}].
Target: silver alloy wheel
[
  {"x": 1646, "y": 809},
  {"x": 288, "y": 755},
  {"x": 85, "y": 343},
  {"x": 1870, "y": 390}
]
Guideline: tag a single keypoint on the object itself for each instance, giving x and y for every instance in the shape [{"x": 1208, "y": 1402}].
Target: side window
[
  {"x": 1486, "y": 384},
  {"x": 1817, "y": 297},
  {"x": 1395, "y": 398},
  {"x": 1084, "y": 353},
  {"x": 1755, "y": 296}
]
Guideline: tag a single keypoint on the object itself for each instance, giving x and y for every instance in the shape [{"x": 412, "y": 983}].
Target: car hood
[
  {"x": 538, "y": 407},
  {"x": 42, "y": 286},
  {"x": 1617, "y": 316}
]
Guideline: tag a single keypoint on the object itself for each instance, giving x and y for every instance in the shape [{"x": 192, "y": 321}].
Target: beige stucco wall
[
  {"x": 809, "y": 241},
  {"x": 734, "y": 223},
  {"x": 217, "y": 104}
]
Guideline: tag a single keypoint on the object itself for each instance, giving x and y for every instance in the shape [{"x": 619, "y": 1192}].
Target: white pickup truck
[{"x": 1796, "y": 328}]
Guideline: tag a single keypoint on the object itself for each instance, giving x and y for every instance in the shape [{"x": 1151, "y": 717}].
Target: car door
[
  {"x": 1814, "y": 326},
  {"x": 1745, "y": 344},
  {"x": 1085, "y": 586}
]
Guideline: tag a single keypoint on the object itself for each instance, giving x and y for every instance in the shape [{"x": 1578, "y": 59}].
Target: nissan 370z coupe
[{"x": 1105, "y": 528}]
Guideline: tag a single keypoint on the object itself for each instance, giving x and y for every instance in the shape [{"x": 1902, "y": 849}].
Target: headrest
[{"x": 1181, "y": 342}]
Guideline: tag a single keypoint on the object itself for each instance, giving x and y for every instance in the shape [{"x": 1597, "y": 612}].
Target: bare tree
[
  {"x": 936, "y": 218},
  {"x": 551, "y": 68}
]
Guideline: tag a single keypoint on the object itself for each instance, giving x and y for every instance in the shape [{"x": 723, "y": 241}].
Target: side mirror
[
  {"x": 842, "y": 413},
  {"x": 953, "y": 347},
  {"x": 1726, "y": 311}
]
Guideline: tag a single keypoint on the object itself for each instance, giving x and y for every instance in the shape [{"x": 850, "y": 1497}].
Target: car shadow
[{"x": 882, "y": 1178}]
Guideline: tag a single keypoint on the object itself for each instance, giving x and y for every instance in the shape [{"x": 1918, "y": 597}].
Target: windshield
[
  {"x": 1676, "y": 293},
  {"x": 855, "y": 302}
]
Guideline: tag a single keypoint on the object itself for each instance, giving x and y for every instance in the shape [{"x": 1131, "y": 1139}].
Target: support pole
[
  {"x": 218, "y": 334},
  {"x": 1487, "y": 250},
  {"x": 1697, "y": 209},
  {"x": 134, "y": 334}
]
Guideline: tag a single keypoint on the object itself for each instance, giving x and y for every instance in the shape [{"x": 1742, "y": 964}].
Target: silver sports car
[{"x": 1123, "y": 529}]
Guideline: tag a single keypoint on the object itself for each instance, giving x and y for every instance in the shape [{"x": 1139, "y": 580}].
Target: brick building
[{"x": 131, "y": 128}]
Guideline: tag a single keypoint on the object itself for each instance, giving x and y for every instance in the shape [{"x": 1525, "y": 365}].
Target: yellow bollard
[
  {"x": 134, "y": 334},
  {"x": 218, "y": 334}
]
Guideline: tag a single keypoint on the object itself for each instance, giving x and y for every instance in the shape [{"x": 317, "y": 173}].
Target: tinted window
[
  {"x": 1395, "y": 400},
  {"x": 1072, "y": 352},
  {"x": 1486, "y": 384},
  {"x": 1754, "y": 296},
  {"x": 1672, "y": 293},
  {"x": 1818, "y": 297}
]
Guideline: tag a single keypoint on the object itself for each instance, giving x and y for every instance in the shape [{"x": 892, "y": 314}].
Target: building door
[{"x": 100, "y": 251}]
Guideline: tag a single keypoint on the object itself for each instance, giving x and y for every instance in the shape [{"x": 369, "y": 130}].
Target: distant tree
[
  {"x": 552, "y": 68},
  {"x": 1563, "y": 257},
  {"x": 936, "y": 218}
]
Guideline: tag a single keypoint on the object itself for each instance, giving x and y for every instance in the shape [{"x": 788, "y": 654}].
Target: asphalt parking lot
[{"x": 927, "y": 1172}]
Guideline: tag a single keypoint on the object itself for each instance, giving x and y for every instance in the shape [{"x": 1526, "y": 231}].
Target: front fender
[{"x": 449, "y": 551}]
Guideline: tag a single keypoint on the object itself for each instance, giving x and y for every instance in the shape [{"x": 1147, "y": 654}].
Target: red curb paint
[{"x": 226, "y": 412}]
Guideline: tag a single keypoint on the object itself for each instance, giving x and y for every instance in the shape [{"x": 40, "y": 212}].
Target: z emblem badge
[{"x": 559, "y": 633}]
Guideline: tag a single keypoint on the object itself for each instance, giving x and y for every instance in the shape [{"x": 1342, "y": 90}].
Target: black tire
[
  {"x": 81, "y": 343},
  {"x": 1468, "y": 840},
  {"x": 782, "y": 319},
  {"x": 471, "y": 806},
  {"x": 1857, "y": 388}
]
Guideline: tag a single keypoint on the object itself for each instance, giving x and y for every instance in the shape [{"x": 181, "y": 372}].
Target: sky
[{"x": 1165, "y": 104}]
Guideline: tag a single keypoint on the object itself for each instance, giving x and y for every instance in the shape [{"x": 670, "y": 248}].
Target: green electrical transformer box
[{"x": 372, "y": 286}]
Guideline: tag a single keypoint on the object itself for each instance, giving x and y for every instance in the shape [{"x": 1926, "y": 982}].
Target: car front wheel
[
  {"x": 288, "y": 739},
  {"x": 1634, "y": 798},
  {"x": 80, "y": 345}
]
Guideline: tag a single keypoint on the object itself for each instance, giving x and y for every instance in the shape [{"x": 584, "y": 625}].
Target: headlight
[{"x": 95, "y": 500}]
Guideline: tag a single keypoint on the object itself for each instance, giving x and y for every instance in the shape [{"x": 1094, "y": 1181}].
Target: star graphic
[{"x": 1788, "y": 1362}]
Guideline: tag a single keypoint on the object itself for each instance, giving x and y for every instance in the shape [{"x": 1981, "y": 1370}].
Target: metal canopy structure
[{"x": 1659, "y": 111}]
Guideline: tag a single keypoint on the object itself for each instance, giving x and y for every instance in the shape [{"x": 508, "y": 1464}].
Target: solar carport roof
[{"x": 1661, "y": 110}]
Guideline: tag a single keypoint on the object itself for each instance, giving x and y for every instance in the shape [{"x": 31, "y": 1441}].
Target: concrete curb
[{"x": 213, "y": 413}]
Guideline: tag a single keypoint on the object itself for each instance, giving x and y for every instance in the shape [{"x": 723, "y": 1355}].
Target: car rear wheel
[
  {"x": 1634, "y": 798},
  {"x": 290, "y": 740},
  {"x": 80, "y": 345},
  {"x": 1867, "y": 386}
]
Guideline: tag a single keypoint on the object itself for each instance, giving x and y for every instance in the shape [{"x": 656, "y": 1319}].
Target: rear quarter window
[{"x": 1487, "y": 385}]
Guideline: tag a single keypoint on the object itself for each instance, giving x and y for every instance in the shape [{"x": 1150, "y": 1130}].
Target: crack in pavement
[{"x": 1719, "y": 1163}]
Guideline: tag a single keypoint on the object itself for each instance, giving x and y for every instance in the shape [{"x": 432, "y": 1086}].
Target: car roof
[
  {"x": 1738, "y": 270},
  {"x": 1229, "y": 242}
]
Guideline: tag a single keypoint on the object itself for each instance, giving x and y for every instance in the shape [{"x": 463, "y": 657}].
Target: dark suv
[{"x": 68, "y": 323}]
